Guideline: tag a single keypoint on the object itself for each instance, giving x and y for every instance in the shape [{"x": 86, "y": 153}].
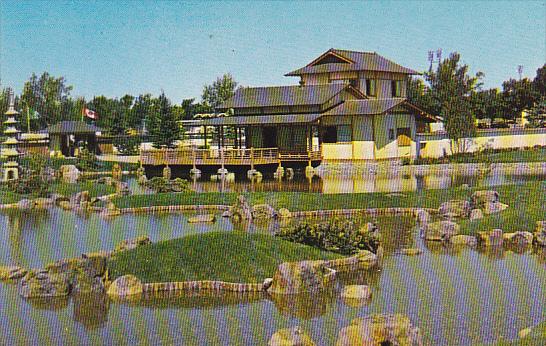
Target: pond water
[
  {"x": 456, "y": 296},
  {"x": 353, "y": 184}
]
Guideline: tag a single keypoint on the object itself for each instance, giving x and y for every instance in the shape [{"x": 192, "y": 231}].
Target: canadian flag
[{"x": 90, "y": 114}]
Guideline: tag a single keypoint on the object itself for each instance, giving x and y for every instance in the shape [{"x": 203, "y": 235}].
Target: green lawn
[
  {"x": 527, "y": 202},
  {"x": 64, "y": 189},
  {"x": 492, "y": 156},
  {"x": 56, "y": 163},
  {"x": 8, "y": 197},
  {"x": 224, "y": 256}
]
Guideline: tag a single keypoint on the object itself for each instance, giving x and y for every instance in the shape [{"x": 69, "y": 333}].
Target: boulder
[
  {"x": 84, "y": 274},
  {"x": 202, "y": 218},
  {"x": 241, "y": 210},
  {"x": 540, "y": 233},
  {"x": 25, "y": 204},
  {"x": 480, "y": 198},
  {"x": 106, "y": 181},
  {"x": 356, "y": 292},
  {"x": 57, "y": 198},
  {"x": 455, "y": 208},
  {"x": 519, "y": 238},
  {"x": 41, "y": 283},
  {"x": 263, "y": 211},
  {"x": 423, "y": 219},
  {"x": 411, "y": 251},
  {"x": 267, "y": 283},
  {"x": 299, "y": 277},
  {"x": 380, "y": 329},
  {"x": 441, "y": 230},
  {"x": 12, "y": 272},
  {"x": 492, "y": 238},
  {"x": 80, "y": 200},
  {"x": 65, "y": 205},
  {"x": 368, "y": 227},
  {"x": 129, "y": 244},
  {"x": 476, "y": 214},
  {"x": 43, "y": 203},
  {"x": 463, "y": 240},
  {"x": 290, "y": 337},
  {"x": 226, "y": 213},
  {"x": 69, "y": 173},
  {"x": 284, "y": 213},
  {"x": 124, "y": 286},
  {"x": 494, "y": 207}
]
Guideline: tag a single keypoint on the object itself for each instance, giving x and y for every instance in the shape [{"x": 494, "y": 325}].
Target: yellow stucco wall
[{"x": 437, "y": 148}]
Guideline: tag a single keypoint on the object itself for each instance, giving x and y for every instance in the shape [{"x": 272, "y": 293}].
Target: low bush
[
  {"x": 341, "y": 236},
  {"x": 162, "y": 185}
]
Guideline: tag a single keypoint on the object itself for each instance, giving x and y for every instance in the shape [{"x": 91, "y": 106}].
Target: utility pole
[{"x": 520, "y": 71}]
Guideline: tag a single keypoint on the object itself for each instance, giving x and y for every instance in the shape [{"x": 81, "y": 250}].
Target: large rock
[
  {"x": 380, "y": 329},
  {"x": 80, "y": 200},
  {"x": 25, "y": 204},
  {"x": 41, "y": 283},
  {"x": 284, "y": 213},
  {"x": 423, "y": 219},
  {"x": 479, "y": 198},
  {"x": 290, "y": 337},
  {"x": 12, "y": 272},
  {"x": 455, "y": 208},
  {"x": 299, "y": 277},
  {"x": 491, "y": 238},
  {"x": 263, "y": 211},
  {"x": 519, "y": 238},
  {"x": 494, "y": 207},
  {"x": 43, "y": 203},
  {"x": 84, "y": 274},
  {"x": 476, "y": 214},
  {"x": 241, "y": 210},
  {"x": 411, "y": 251},
  {"x": 69, "y": 173},
  {"x": 463, "y": 240},
  {"x": 540, "y": 233},
  {"x": 130, "y": 244},
  {"x": 125, "y": 286},
  {"x": 441, "y": 230}
]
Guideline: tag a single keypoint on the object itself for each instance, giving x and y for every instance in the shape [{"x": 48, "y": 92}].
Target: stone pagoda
[{"x": 10, "y": 169}]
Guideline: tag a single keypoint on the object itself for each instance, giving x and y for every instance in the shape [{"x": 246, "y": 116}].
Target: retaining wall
[{"x": 366, "y": 212}]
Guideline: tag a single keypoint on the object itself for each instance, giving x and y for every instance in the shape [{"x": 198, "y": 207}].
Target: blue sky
[{"x": 114, "y": 48}]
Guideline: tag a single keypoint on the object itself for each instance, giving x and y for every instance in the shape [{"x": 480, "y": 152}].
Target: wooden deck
[{"x": 228, "y": 157}]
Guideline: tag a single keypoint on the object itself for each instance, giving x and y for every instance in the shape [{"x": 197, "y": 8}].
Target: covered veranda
[{"x": 247, "y": 141}]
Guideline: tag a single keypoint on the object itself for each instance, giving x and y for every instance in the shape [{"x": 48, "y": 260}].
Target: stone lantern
[{"x": 10, "y": 169}]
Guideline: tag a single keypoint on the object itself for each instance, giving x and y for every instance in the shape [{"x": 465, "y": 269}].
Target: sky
[{"x": 118, "y": 48}]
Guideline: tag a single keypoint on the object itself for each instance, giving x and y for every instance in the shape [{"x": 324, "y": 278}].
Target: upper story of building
[
  {"x": 372, "y": 74},
  {"x": 334, "y": 77}
]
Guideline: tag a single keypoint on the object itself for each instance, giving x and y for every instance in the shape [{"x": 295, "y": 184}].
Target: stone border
[
  {"x": 171, "y": 208},
  {"x": 366, "y": 212}
]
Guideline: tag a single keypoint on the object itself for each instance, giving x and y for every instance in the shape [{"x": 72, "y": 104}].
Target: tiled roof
[
  {"x": 66, "y": 127},
  {"x": 365, "y": 107},
  {"x": 283, "y": 96},
  {"x": 360, "y": 61}
]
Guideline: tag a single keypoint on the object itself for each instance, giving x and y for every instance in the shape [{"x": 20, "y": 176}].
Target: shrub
[
  {"x": 160, "y": 184},
  {"x": 340, "y": 236}
]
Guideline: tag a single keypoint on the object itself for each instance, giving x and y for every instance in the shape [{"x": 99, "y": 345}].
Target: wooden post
[
  {"x": 252, "y": 158},
  {"x": 205, "y": 133}
]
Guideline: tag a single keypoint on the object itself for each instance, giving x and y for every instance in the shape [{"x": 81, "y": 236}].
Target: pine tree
[{"x": 163, "y": 125}]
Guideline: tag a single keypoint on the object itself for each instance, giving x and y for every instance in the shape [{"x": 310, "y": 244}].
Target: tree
[
  {"x": 218, "y": 92},
  {"x": 518, "y": 95},
  {"x": 450, "y": 88},
  {"x": 50, "y": 97},
  {"x": 163, "y": 125},
  {"x": 487, "y": 104}
]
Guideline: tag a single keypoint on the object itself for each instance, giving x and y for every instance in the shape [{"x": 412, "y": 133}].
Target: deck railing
[{"x": 252, "y": 156}]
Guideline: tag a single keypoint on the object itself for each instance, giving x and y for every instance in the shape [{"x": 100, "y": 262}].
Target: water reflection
[{"x": 331, "y": 184}]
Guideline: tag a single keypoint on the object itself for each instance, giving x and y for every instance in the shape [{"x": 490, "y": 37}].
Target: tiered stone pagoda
[{"x": 10, "y": 169}]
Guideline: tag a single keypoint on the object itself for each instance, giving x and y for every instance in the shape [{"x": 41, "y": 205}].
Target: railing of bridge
[{"x": 251, "y": 156}]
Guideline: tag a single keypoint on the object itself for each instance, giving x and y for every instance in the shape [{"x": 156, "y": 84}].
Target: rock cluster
[
  {"x": 125, "y": 286},
  {"x": 130, "y": 244},
  {"x": 78, "y": 275},
  {"x": 491, "y": 238},
  {"x": 540, "y": 233},
  {"x": 12, "y": 272},
  {"x": 299, "y": 277},
  {"x": 241, "y": 210},
  {"x": 69, "y": 173},
  {"x": 380, "y": 329},
  {"x": 455, "y": 209},
  {"x": 263, "y": 211},
  {"x": 441, "y": 230}
]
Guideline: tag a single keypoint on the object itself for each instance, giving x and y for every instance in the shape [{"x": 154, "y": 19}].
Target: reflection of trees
[
  {"x": 91, "y": 310},
  {"x": 19, "y": 222},
  {"x": 53, "y": 303}
]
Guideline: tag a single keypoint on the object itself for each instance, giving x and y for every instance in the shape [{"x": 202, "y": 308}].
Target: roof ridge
[{"x": 354, "y": 51}]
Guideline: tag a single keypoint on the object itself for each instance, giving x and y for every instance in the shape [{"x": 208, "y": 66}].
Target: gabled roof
[
  {"x": 339, "y": 60},
  {"x": 68, "y": 127},
  {"x": 377, "y": 106},
  {"x": 284, "y": 95}
]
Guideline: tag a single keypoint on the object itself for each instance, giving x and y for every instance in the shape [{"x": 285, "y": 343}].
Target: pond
[
  {"x": 353, "y": 184},
  {"x": 456, "y": 296}
]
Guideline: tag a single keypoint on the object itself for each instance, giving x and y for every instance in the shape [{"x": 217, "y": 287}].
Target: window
[
  {"x": 396, "y": 88},
  {"x": 344, "y": 133},
  {"x": 371, "y": 87},
  {"x": 337, "y": 134},
  {"x": 329, "y": 134},
  {"x": 391, "y": 135},
  {"x": 352, "y": 82},
  {"x": 404, "y": 136}
]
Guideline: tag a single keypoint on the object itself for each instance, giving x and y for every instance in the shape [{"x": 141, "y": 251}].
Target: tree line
[{"x": 47, "y": 100}]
